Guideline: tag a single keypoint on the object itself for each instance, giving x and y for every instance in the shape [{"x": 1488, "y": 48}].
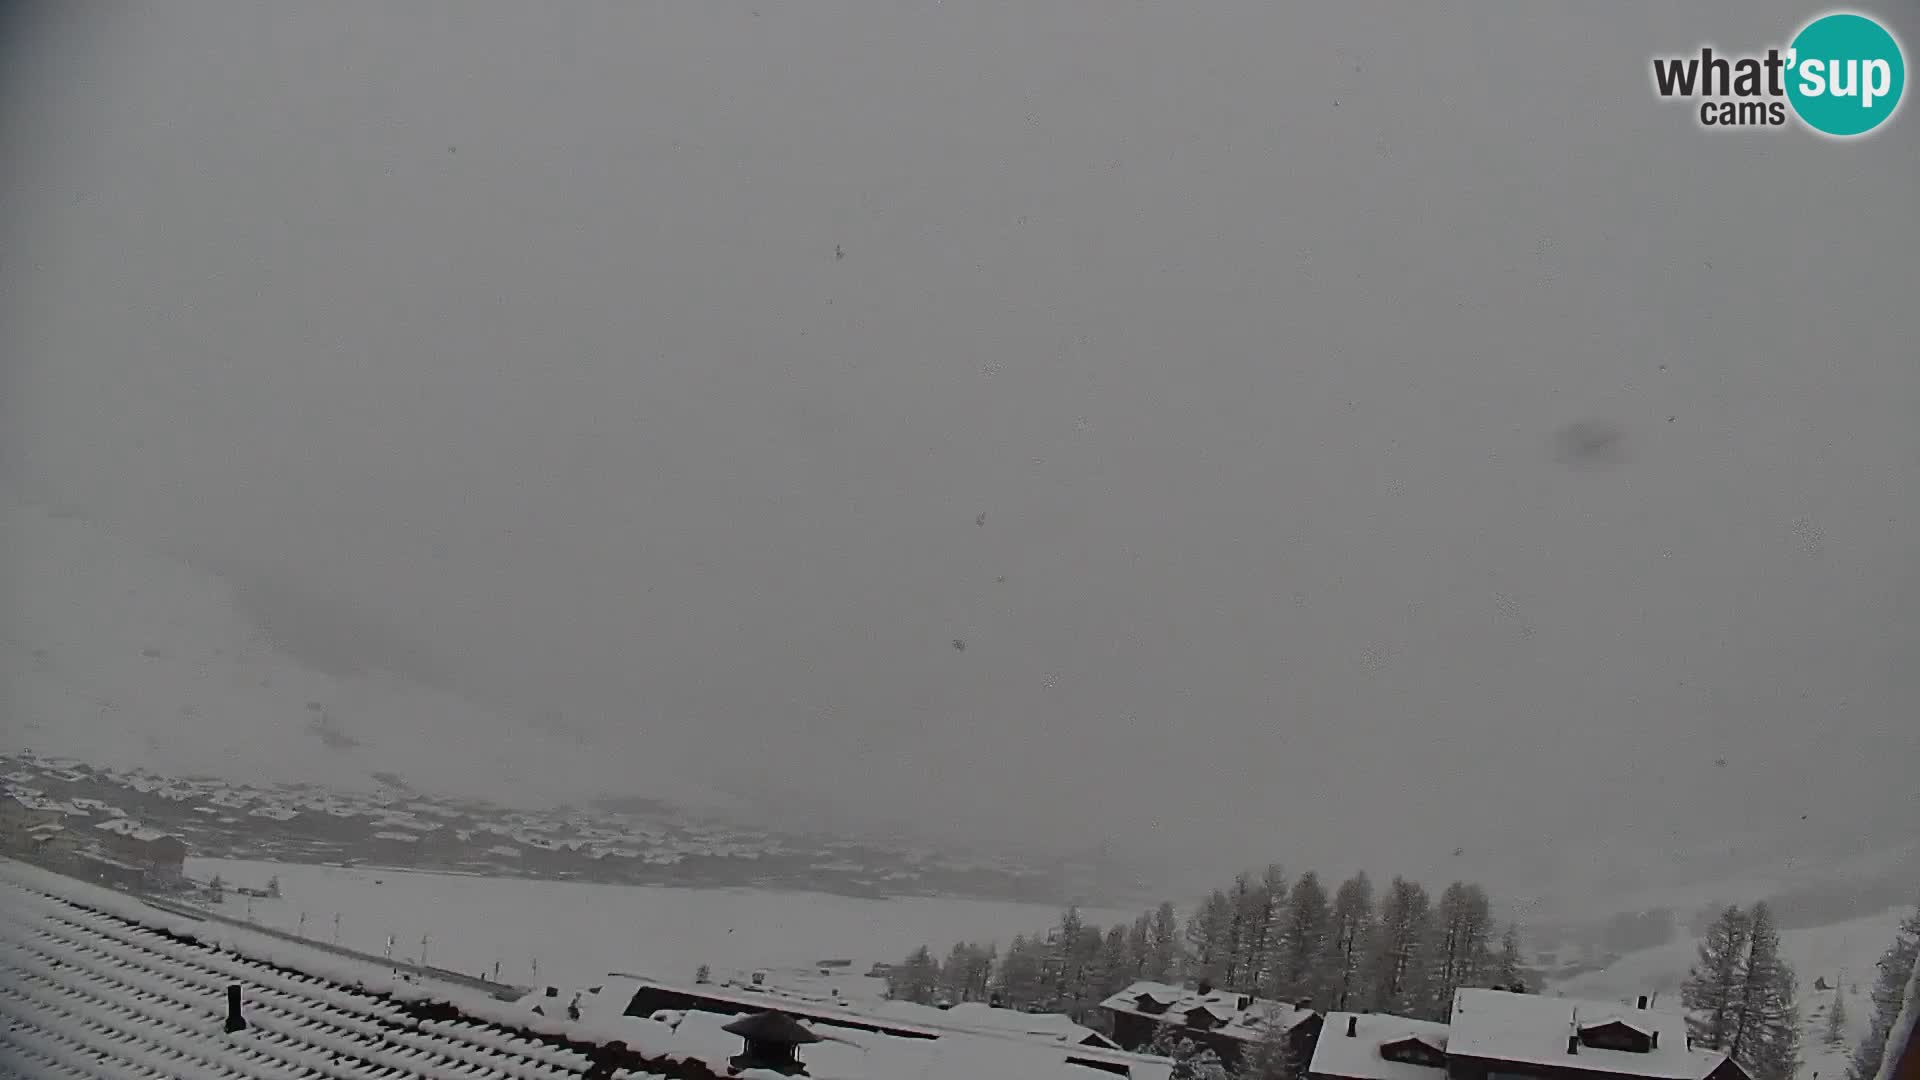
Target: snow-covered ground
[
  {"x": 578, "y": 932},
  {"x": 1843, "y": 954}
]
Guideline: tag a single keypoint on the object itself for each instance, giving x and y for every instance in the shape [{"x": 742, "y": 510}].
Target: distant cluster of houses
[{"x": 114, "y": 850}]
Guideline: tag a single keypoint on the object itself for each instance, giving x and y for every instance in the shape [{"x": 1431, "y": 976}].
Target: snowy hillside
[
  {"x": 118, "y": 656},
  {"x": 1843, "y": 954}
]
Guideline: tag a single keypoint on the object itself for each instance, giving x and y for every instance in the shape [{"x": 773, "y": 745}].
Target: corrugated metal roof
[{"x": 97, "y": 995}]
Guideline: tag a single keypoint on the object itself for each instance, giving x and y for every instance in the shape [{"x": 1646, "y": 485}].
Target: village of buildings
[
  {"x": 124, "y": 973},
  {"x": 137, "y": 828},
  {"x": 113, "y": 985}
]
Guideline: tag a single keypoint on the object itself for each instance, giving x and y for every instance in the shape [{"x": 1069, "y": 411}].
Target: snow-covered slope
[
  {"x": 119, "y": 656},
  {"x": 1843, "y": 954}
]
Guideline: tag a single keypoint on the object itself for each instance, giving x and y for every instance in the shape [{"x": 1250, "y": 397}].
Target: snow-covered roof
[
  {"x": 1496, "y": 1025},
  {"x": 132, "y": 829},
  {"x": 1358, "y": 1056},
  {"x": 101, "y": 985},
  {"x": 39, "y": 805},
  {"x": 887, "y": 1050},
  {"x": 1237, "y": 1015},
  {"x": 852, "y": 1054}
]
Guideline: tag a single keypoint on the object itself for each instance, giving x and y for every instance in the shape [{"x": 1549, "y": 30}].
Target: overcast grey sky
[{"x": 512, "y": 338}]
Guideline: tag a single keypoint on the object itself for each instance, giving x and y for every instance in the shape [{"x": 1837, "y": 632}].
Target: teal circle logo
[{"x": 1847, "y": 74}]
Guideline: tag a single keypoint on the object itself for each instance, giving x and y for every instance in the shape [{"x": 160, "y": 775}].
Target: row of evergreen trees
[{"x": 1265, "y": 935}]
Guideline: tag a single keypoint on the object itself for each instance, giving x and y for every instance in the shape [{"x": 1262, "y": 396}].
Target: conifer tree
[
  {"x": 1301, "y": 944},
  {"x": 1348, "y": 929},
  {"x": 1140, "y": 947},
  {"x": 1208, "y": 931},
  {"x": 1165, "y": 959},
  {"x": 915, "y": 979},
  {"x": 1710, "y": 993},
  {"x": 1508, "y": 972},
  {"x": 1021, "y": 972},
  {"x": 1113, "y": 966},
  {"x": 1459, "y": 954},
  {"x": 1889, "y": 996},
  {"x": 1740, "y": 995},
  {"x": 1395, "y": 965},
  {"x": 1260, "y": 935},
  {"x": 1766, "y": 1041},
  {"x": 1836, "y": 1033}
]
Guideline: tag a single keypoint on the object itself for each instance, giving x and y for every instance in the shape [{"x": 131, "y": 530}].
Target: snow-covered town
[
  {"x": 959, "y": 540},
  {"x": 109, "y": 984},
  {"x": 71, "y": 806}
]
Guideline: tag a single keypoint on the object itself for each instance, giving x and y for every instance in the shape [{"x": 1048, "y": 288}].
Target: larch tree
[
  {"x": 916, "y": 979},
  {"x": 1459, "y": 955},
  {"x": 1348, "y": 928},
  {"x": 1509, "y": 973},
  {"x": 1766, "y": 1037},
  {"x": 1140, "y": 947},
  {"x": 1113, "y": 965},
  {"x": 1208, "y": 930},
  {"x": 1242, "y": 915},
  {"x": 1165, "y": 960},
  {"x": 1262, "y": 930},
  {"x": 1021, "y": 972},
  {"x": 1396, "y": 974},
  {"x": 1711, "y": 992},
  {"x": 1889, "y": 996},
  {"x": 1304, "y": 923}
]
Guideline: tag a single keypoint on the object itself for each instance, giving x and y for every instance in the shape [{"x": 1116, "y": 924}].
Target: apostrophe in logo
[
  {"x": 1847, "y": 74},
  {"x": 1843, "y": 75}
]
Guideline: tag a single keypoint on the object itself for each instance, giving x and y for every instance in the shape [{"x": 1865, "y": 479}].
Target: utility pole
[
  {"x": 423, "y": 950},
  {"x": 336, "y": 928},
  {"x": 302, "y": 931}
]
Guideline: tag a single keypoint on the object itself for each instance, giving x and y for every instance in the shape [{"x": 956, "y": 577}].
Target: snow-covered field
[
  {"x": 578, "y": 932},
  {"x": 1843, "y": 954}
]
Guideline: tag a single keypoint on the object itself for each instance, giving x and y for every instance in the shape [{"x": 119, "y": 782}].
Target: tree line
[{"x": 1265, "y": 935}]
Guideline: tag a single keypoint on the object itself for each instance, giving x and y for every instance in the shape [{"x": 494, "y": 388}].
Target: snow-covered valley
[{"x": 578, "y": 932}]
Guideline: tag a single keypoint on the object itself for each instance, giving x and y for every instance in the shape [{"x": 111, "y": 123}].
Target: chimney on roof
[
  {"x": 1203, "y": 987},
  {"x": 1573, "y": 1043},
  {"x": 771, "y": 1039},
  {"x": 1353, "y": 1026},
  {"x": 1245, "y": 1002},
  {"x": 235, "y": 1022},
  {"x": 1656, "y": 1040},
  {"x": 1643, "y": 1001}
]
